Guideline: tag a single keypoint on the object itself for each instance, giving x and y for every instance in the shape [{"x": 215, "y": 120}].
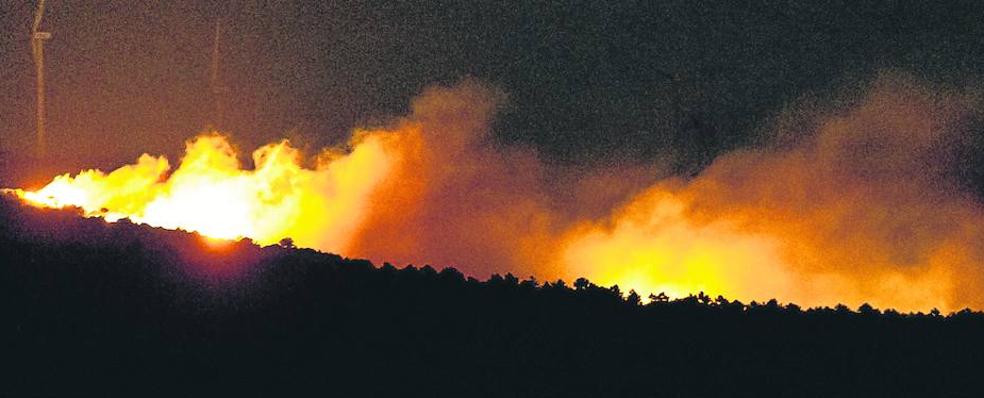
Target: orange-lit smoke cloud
[
  {"x": 456, "y": 197},
  {"x": 853, "y": 205},
  {"x": 857, "y": 208}
]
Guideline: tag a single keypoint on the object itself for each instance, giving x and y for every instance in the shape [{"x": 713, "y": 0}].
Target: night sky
[{"x": 587, "y": 82}]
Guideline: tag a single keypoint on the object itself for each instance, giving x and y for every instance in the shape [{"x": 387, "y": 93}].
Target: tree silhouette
[{"x": 659, "y": 298}]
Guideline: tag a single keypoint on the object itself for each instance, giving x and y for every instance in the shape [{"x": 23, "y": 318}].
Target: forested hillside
[{"x": 90, "y": 308}]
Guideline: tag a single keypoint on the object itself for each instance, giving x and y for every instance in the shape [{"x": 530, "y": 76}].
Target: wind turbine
[{"x": 37, "y": 49}]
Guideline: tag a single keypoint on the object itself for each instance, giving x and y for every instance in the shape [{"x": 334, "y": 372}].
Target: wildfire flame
[
  {"x": 210, "y": 193},
  {"x": 856, "y": 208}
]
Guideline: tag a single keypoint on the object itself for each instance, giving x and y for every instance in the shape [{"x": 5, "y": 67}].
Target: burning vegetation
[{"x": 854, "y": 204}]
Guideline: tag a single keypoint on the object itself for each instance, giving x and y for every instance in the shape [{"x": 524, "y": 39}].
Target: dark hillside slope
[{"x": 90, "y": 308}]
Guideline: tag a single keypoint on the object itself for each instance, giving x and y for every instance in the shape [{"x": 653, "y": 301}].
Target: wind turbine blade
[{"x": 37, "y": 17}]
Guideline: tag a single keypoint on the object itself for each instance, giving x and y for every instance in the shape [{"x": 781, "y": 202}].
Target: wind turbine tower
[
  {"x": 37, "y": 48},
  {"x": 218, "y": 89}
]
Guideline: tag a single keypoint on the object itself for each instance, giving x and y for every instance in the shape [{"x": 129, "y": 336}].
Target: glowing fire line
[
  {"x": 211, "y": 194},
  {"x": 857, "y": 211}
]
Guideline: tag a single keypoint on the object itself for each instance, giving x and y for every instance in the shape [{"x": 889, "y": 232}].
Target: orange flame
[
  {"x": 855, "y": 208},
  {"x": 210, "y": 193}
]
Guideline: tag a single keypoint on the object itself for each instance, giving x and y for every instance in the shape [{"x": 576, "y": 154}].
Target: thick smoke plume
[
  {"x": 856, "y": 205},
  {"x": 852, "y": 204}
]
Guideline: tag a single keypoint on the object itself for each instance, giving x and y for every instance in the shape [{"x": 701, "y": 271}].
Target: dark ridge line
[{"x": 9, "y": 200}]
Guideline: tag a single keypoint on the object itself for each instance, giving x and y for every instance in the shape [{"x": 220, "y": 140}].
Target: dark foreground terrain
[{"x": 90, "y": 308}]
